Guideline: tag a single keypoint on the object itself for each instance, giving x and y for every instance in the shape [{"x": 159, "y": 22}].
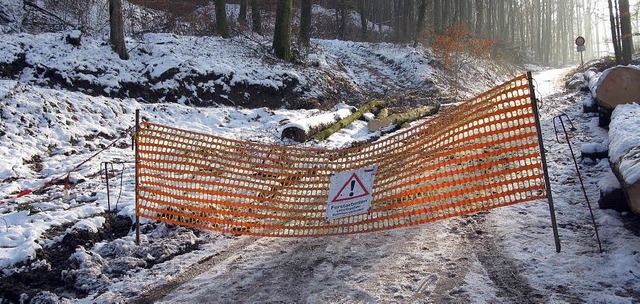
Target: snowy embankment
[{"x": 236, "y": 72}]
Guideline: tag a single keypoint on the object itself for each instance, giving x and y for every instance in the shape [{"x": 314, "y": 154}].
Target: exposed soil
[
  {"x": 190, "y": 89},
  {"x": 45, "y": 272}
]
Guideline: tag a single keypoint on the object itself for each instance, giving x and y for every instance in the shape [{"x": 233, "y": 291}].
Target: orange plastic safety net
[{"x": 479, "y": 155}]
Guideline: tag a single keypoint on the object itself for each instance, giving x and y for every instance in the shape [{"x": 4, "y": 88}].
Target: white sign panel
[{"x": 350, "y": 193}]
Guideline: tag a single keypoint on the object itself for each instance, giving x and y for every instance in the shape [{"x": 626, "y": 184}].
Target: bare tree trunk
[
  {"x": 479, "y": 18},
  {"x": 420, "y": 27},
  {"x": 362, "y": 7},
  {"x": 614, "y": 33},
  {"x": 117, "y": 29},
  {"x": 282, "y": 35},
  {"x": 256, "y": 17},
  {"x": 341, "y": 18},
  {"x": 305, "y": 22},
  {"x": 437, "y": 16},
  {"x": 242, "y": 15},
  {"x": 490, "y": 24},
  {"x": 221, "y": 18},
  {"x": 627, "y": 34}
]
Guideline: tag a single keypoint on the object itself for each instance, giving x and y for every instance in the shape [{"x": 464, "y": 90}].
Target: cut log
[
  {"x": 631, "y": 190},
  {"x": 624, "y": 151},
  {"x": 348, "y": 120},
  {"x": 305, "y": 129},
  {"x": 618, "y": 85},
  {"x": 401, "y": 118}
]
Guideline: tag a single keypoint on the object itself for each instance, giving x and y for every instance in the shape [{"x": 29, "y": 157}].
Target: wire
[{"x": 53, "y": 180}]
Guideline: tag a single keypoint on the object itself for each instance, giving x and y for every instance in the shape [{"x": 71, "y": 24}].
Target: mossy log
[
  {"x": 348, "y": 120},
  {"x": 402, "y": 118},
  {"x": 383, "y": 113}
]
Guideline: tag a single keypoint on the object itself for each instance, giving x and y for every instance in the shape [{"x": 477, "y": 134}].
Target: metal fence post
[
  {"x": 135, "y": 136},
  {"x": 545, "y": 170}
]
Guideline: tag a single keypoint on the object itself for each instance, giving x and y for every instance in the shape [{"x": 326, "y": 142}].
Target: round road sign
[{"x": 580, "y": 41}]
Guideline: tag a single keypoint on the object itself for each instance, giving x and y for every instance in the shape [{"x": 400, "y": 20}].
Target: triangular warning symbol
[{"x": 352, "y": 189}]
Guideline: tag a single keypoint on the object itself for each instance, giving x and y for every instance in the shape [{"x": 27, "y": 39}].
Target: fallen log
[
  {"x": 402, "y": 118},
  {"x": 384, "y": 112},
  {"x": 624, "y": 151},
  {"x": 616, "y": 86},
  {"x": 305, "y": 129},
  {"x": 324, "y": 134}
]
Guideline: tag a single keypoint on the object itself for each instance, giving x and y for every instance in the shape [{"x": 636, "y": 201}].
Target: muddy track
[
  {"x": 424, "y": 264},
  {"x": 503, "y": 270},
  {"x": 153, "y": 295}
]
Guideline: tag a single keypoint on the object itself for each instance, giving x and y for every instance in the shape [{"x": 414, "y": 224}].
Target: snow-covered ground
[{"x": 506, "y": 255}]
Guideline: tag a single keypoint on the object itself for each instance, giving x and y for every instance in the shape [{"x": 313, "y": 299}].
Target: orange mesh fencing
[{"x": 479, "y": 155}]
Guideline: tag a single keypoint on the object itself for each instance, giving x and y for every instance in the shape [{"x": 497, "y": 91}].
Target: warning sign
[{"x": 350, "y": 193}]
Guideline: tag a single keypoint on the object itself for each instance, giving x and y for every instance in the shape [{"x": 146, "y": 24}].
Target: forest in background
[{"x": 530, "y": 31}]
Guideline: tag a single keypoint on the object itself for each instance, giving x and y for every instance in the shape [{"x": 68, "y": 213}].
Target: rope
[{"x": 67, "y": 173}]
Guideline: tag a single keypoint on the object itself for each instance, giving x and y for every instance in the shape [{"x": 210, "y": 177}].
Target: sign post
[{"x": 580, "y": 41}]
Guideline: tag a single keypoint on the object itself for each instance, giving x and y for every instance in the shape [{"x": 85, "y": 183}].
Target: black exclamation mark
[{"x": 353, "y": 184}]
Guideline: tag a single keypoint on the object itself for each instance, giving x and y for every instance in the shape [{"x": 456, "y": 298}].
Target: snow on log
[
  {"x": 401, "y": 118},
  {"x": 305, "y": 129},
  {"x": 624, "y": 151},
  {"x": 348, "y": 120},
  {"x": 591, "y": 78}
]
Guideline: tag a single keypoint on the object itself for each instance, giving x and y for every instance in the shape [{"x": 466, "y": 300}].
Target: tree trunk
[
  {"x": 341, "y": 18},
  {"x": 282, "y": 34},
  {"x": 221, "y": 18},
  {"x": 256, "y": 17},
  {"x": 402, "y": 118},
  {"x": 348, "y": 120},
  {"x": 446, "y": 13},
  {"x": 627, "y": 34},
  {"x": 117, "y": 29},
  {"x": 490, "y": 23},
  {"x": 479, "y": 18},
  {"x": 362, "y": 7},
  {"x": 242, "y": 15},
  {"x": 437, "y": 17},
  {"x": 305, "y": 22},
  {"x": 420, "y": 27},
  {"x": 614, "y": 33}
]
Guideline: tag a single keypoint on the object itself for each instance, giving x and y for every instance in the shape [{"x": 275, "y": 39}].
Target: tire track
[{"x": 159, "y": 292}]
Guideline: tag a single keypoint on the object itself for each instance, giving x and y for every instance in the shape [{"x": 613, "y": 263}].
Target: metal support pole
[
  {"x": 545, "y": 170},
  {"x": 106, "y": 176},
  {"x": 575, "y": 162},
  {"x": 135, "y": 136}
]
